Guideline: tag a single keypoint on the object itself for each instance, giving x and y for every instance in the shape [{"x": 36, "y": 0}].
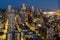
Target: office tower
[
  {"x": 9, "y": 7},
  {"x": 23, "y": 7},
  {"x": 50, "y": 33},
  {"x": 2, "y": 21},
  {"x": 23, "y": 13},
  {"x": 2, "y": 26},
  {"x": 12, "y": 33},
  {"x": 33, "y": 8},
  {"x": 11, "y": 18},
  {"x": 16, "y": 11},
  {"x": 13, "y": 36}
]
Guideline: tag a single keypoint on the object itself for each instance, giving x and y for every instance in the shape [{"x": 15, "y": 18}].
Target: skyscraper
[{"x": 12, "y": 33}]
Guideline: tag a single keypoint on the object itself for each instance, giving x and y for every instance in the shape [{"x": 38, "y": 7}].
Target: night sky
[{"x": 43, "y": 4}]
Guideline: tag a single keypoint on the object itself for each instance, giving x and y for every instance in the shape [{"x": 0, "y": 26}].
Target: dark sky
[{"x": 43, "y": 4}]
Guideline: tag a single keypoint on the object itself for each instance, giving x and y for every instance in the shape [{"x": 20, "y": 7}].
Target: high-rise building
[
  {"x": 33, "y": 8},
  {"x": 23, "y": 7},
  {"x": 12, "y": 33},
  {"x": 9, "y": 7},
  {"x": 11, "y": 18}
]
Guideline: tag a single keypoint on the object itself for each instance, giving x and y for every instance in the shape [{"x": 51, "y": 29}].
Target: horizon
[{"x": 41, "y": 4}]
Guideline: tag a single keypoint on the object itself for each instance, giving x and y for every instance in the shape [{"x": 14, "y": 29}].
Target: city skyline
[{"x": 41, "y": 4}]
